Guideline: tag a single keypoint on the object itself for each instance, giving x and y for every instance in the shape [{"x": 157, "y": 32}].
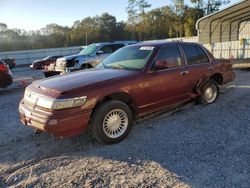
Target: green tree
[
  {"x": 3, "y": 27},
  {"x": 142, "y": 5},
  {"x": 132, "y": 15},
  {"x": 190, "y": 16},
  {"x": 178, "y": 17},
  {"x": 209, "y": 6}
]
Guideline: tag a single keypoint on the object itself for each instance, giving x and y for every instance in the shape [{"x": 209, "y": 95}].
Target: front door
[{"x": 168, "y": 85}]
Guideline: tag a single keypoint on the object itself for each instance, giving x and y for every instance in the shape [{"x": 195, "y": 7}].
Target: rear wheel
[
  {"x": 111, "y": 122},
  {"x": 210, "y": 92}
]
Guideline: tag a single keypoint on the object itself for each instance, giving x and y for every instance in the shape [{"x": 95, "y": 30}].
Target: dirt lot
[{"x": 192, "y": 146}]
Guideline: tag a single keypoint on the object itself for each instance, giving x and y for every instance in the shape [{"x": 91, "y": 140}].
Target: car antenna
[{"x": 86, "y": 40}]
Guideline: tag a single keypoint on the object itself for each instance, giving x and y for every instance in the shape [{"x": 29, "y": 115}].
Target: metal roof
[{"x": 223, "y": 25}]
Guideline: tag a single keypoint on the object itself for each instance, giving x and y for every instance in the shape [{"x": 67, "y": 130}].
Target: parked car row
[
  {"x": 41, "y": 64},
  {"x": 87, "y": 58},
  {"x": 134, "y": 81}
]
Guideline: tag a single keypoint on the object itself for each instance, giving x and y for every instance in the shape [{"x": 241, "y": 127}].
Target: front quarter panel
[{"x": 134, "y": 86}]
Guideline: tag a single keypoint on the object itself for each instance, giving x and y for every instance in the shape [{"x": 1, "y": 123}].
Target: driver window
[{"x": 171, "y": 55}]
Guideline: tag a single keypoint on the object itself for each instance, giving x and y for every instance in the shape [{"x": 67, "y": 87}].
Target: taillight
[{"x": 3, "y": 68}]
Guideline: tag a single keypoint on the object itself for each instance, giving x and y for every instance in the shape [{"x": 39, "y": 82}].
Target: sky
[{"x": 35, "y": 14}]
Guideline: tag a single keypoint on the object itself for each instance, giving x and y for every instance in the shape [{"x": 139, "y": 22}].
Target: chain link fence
[
  {"x": 239, "y": 49},
  {"x": 26, "y": 57},
  {"x": 222, "y": 50}
]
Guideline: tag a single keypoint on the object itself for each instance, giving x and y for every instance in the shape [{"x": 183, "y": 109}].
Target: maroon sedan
[
  {"x": 134, "y": 81},
  {"x": 40, "y": 64},
  {"x": 5, "y": 75}
]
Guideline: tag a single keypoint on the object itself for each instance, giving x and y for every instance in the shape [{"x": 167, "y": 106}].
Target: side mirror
[
  {"x": 100, "y": 52},
  {"x": 160, "y": 64}
]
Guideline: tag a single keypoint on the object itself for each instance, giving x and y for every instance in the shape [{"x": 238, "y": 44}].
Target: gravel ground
[
  {"x": 191, "y": 146},
  {"x": 22, "y": 76}
]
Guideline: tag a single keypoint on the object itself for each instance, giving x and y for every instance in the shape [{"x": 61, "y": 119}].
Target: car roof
[
  {"x": 161, "y": 43},
  {"x": 116, "y": 42}
]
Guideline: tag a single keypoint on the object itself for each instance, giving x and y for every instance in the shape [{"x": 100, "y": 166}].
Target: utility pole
[
  {"x": 86, "y": 38},
  {"x": 179, "y": 8}
]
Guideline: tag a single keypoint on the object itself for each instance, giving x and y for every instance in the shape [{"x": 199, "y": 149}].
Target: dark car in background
[
  {"x": 5, "y": 75},
  {"x": 40, "y": 64},
  {"x": 11, "y": 62}
]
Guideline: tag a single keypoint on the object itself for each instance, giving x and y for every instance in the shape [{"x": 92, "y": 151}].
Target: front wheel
[
  {"x": 210, "y": 92},
  {"x": 111, "y": 122}
]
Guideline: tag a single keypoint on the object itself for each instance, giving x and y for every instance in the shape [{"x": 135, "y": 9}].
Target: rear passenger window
[
  {"x": 117, "y": 46},
  {"x": 202, "y": 55},
  {"x": 171, "y": 54},
  {"x": 194, "y": 54}
]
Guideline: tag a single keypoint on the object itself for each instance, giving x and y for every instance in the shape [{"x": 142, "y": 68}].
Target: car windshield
[
  {"x": 46, "y": 58},
  {"x": 131, "y": 58},
  {"x": 90, "y": 49}
]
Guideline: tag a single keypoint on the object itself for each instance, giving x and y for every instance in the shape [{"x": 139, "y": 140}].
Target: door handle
[
  {"x": 210, "y": 68},
  {"x": 184, "y": 72}
]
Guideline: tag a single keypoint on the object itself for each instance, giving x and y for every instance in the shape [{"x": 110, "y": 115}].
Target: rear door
[
  {"x": 107, "y": 51},
  {"x": 117, "y": 47},
  {"x": 198, "y": 63},
  {"x": 167, "y": 86}
]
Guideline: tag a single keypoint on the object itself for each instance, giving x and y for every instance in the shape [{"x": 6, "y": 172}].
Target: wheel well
[
  {"x": 218, "y": 78},
  {"x": 123, "y": 97}
]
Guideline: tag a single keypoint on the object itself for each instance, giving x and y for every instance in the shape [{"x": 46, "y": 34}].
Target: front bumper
[
  {"x": 63, "y": 123},
  {"x": 60, "y": 69},
  {"x": 66, "y": 70}
]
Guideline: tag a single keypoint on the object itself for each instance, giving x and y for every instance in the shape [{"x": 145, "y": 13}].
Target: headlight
[
  {"x": 58, "y": 104},
  {"x": 54, "y": 104},
  {"x": 61, "y": 63}
]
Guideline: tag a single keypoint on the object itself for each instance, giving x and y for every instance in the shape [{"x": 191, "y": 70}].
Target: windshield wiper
[{"x": 118, "y": 66}]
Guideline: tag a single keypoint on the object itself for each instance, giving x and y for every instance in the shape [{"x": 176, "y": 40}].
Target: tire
[
  {"x": 50, "y": 73},
  {"x": 105, "y": 119},
  {"x": 210, "y": 92},
  {"x": 86, "y": 66}
]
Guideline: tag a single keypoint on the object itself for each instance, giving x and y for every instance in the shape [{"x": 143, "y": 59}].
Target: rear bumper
[
  {"x": 228, "y": 77},
  {"x": 62, "y": 124}
]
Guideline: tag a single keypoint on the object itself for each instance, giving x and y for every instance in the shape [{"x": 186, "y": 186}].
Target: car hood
[
  {"x": 80, "y": 79},
  {"x": 38, "y": 61},
  {"x": 70, "y": 57}
]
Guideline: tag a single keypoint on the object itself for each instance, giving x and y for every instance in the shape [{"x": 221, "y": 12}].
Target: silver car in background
[{"x": 89, "y": 57}]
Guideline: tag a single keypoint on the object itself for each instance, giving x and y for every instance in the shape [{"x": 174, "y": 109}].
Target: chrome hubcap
[
  {"x": 211, "y": 94},
  {"x": 115, "y": 123}
]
